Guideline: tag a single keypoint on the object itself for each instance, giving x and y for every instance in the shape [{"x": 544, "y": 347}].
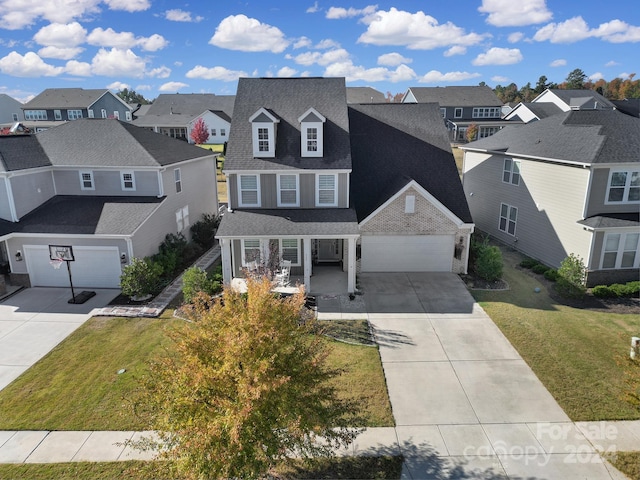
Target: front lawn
[
  {"x": 77, "y": 385},
  {"x": 577, "y": 353}
]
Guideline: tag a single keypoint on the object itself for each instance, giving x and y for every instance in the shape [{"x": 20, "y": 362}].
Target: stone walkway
[{"x": 157, "y": 306}]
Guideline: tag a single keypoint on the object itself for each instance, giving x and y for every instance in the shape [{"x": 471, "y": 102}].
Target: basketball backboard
[{"x": 61, "y": 252}]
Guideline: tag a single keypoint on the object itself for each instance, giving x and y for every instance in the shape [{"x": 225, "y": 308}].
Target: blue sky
[{"x": 162, "y": 46}]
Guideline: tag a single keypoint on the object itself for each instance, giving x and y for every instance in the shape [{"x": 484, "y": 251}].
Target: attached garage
[
  {"x": 94, "y": 267},
  {"x": 406, "y": 253}
]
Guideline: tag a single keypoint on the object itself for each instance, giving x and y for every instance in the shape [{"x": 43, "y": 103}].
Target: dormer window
[
  {"x": 311, "y": 133},
  {"x": 263, "y": 133}
]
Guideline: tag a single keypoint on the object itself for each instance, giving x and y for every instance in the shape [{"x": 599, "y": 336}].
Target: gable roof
[
  {"x": 579, "y": 99},
  {"x": 21, "y": 152},
  {"x": 62, "y": 98},
  {"x": 395, "y": 143},
  {"x": 287, "y": 99},
  {"x": 113, "y": 143},
  {"x": 577, "y": 136},
  {"x": 190, "y": 104},
  {"x": 456, "y": 96},
  {"x": 364, "y": 95}
]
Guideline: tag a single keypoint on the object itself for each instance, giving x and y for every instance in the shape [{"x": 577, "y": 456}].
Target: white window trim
[
  {"x": 57, "y": 114},
  {"x": 127, "y": 115},
  {"x": 240, "y": 202},
  {"x": 213, "y": 132},
  {"x": 243, "y": 249},
  {"x": 455, "y": 112},
  {"x": 511, "y": 172},
  {"x": 279, "y": 200},
  {"x": 410, "y": 204},
  {"x": 619, "y": 252},
  {"x": 508, "y": 219},
  {"x": 90, "y": 113},
  {"x": 335, "y": 190},
  {"x": 625, "y": 195},
  {"x": 116, "y": 114},
  {"x": 77, "y": 115},
  {"x": 103, "y": 113},
  {"x": 177, "y": 178},
  {"x": 443, "y": 112},
  {"x": 297, "y": 240},
  {"x": 182, "y": 218},
  {"x": 487, "y": 112},
  {"x": 223, "y": 132},
  {"x": 90, "y": 173},
  {"x": 133, "y": 180},
  {"x": 271, "y": 151}
]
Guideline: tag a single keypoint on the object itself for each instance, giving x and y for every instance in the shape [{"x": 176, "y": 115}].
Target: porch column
[
  {"x": 306, "y": 246},
  {"x": 225, "y": 252},
  {"x": 351, "y": 266}
]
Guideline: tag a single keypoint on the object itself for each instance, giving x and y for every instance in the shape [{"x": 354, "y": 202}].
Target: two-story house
[
  {"x": 55, "y": 106},
  {"x": 461, "y": 106},
  {"x": 175, "y": 114},
  {"x": 10, "y": 110},
  {"x": 112, "y": 198},
  {"x": 294, "y": 151},
  {"x": 568, "y": 183}
]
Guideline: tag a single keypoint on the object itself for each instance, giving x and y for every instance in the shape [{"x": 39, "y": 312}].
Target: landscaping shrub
[
  {"x": 539, "y": 268},
  {"x": 551, "y": 274},
  {"x": 171, "y": 253},
  {"x": 203, "y": 231},
  {"x": 489, "y": 263},
  {"x": 529, "y": 263},
  {"x": 616, "y": 290},
  {"x": 571, "y": 277},
  {"x": 196, "y": 280},
  {"x": 140, "y": 278}
]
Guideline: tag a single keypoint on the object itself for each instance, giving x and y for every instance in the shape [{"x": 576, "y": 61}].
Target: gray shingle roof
[
  {"x": 21, "y": 152},
  {"x": 288, "y": 98},
  {"x": 110, "y": 142},
  {"x": 191, "y": 104},
  {"x": 168, "y": 120},
  {"x": 587, "y": 99},
  {"x": 64, "y": 98},
  {"x": 582, "y": 136},
  {"x": 612, "y": 220},
  {"x": 457, "y": 96},
  {"x": 394, "y": 143},
  {"x": 288, "y": 222},
  {"x": 364, "y": 95},
  {"x": 543, "y": 109},
  {"x": 68, "y": 214},
  {"x": 630, "y": 106}
]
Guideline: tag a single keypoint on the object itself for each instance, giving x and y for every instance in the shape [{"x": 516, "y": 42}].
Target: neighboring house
[
  {"x": 569, "y": 183},
  {"x": 112, "y": 198},
  {"x": 10, "y": 110},
  {"x": 461, "y": 107},
  {"x": 629, "y": 106},
  {"x": 218, "y": 124},
  {"x": 298, "y": 163},
  {"x": 364, "y": 95},
  {"x": 526, "y": 112},
  {"x": 173, "y": 114},
  {"x": 55, "y": 106}
]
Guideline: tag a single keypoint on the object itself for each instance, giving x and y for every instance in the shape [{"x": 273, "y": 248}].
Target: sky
[{"x": 204, "y": 46}]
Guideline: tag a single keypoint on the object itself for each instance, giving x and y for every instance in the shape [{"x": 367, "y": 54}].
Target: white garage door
[
  {"x": 414, "y": 253},
  {"x": 94, "y": 267}
]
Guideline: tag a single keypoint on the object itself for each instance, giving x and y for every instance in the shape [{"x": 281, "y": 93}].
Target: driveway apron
[{"x": 466, "y": 404}]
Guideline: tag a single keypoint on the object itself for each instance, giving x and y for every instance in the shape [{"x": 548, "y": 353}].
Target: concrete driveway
[
  {"x": 35, "y": 320},
  {"x": 466, "y": 404}
]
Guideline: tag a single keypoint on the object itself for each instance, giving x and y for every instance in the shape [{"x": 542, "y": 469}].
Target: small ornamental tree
[
  {"x": 571, "y": 277},
  {"x": 472, "y": 132},
  {"x": 200, "y": 132},
  {"x": 247, "y": 385},
  {"x": 140, "y": 278}
]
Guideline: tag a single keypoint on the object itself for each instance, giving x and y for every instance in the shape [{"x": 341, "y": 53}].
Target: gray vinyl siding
[
  {"x": 237, "y": 258},
  {"x": 343, "y": 190},
  {"x": 598, "y": 194},
  {"x": 596, "y": 254},
  {"x": 232, "y": 191},
  {"x": 106, "y": 182},
  {"x": 5, "y": 211},
  {"x": 549, "y": 199},
  {"x": 236, "y": 253},
  {"x": 268, "y": 190},
  {"x": 110, "y": 104},
  {"x": 307, "y": 190},
  {"x": 31, "y": 191}
]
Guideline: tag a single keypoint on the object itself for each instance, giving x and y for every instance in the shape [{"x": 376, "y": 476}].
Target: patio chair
[{"x": 282, "y": 277}]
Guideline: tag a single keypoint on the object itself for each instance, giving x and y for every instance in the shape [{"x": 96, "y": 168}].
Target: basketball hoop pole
[{"x": 73, "y": 295}]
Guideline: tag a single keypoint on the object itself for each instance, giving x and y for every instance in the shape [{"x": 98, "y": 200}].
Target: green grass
[
  {"x": 338, "y": 468},
  {"x": 458, "y": 155},
  {"x": 77, "y": 387},
  {"x": 574, "y": 352},
  {"x": 627, "y": 462}
]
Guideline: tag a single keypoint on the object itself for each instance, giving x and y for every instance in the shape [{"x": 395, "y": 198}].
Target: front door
[{"x": 329, "y": 250}]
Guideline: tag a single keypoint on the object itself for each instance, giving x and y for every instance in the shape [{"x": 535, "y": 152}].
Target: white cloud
[
  {"x": 510, "y": 13},
  {"x": 78, "y": 69},
  {"x": 110, "y": 38},
  {"x": 117, "y": 62},
  {"x": 160, "y": 72},
  {"x": 177, "y": 15},
  {"x": 61, "y": 35},
  {"x": 326, "y": 43},
  {"x": 576, "y": 29},
  {"x": 142, "y": 87},
  {"x": 238, "y": 32},
  {"x": 596, "y": 76},
  {"x": 325, "y": 58},
  {"x": 560, "y": 62},
  {"x": 172, "y": 86},
  {"x": 60, "y": 53},
  {"x": 117, "y": 86},
  {"x": 286, "y": 72},
  {"x": 128, "y": 5},
  {"x": 215, "y": 73},
  {"x": 624, "y": 75},
  {"x": 313, "y": 8},
  {"x": 335, "y": 13},
  {"x": 379, "y": 74},
  {"x": 29, "y": 65},
  {"x": 499, "y": 79},
  {"x": 434, "y": 76},
  {"x": 153, "y": 43},
  {"x": 415, "y": 31},
  {"x": 393, "y": 59},
  {"x": 515, "y": 37},
  {"x": 455, "y": 50},
  {"x": 611, "y": 63},
  {"x": 302, "y": 42},
  {"x": 498, "y": 56}
]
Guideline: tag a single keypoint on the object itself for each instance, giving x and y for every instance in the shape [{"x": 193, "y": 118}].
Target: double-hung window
[
  {"x": 90, "y": 113},
  {"x": 177, "y": 176},
  {"x": 251, "y": 252},
  {"x": 511, "y": 171},
  {"x": 457, "y": 113},
  {"x": 326, "y": 194},
  {"x": 508, "y": 219},
  {"x": 182, "y": 218},
  {"x": 116, "y": 114},
  {"x": 621, "y": 250},
  {"x": 213, "y": 132},
  {"x": 288, "y": 190},
  {"x": 35, "y": 115},
  {"x": 57, "y": 115},
  {"x": 248, "y": 191},
  {"x": 86, "y": 180},
  {"x": 290, "y": 250},
  {"x": 128, "y": 180},
  {"x": 223, "y": 132},
  {"x": 312, "y": 139},
  {"x": 263, "y": 139},
  {"x": 103, "y": 113},
  {"x": 624, "y": 186},
  {"x": 443, "y": 112},
  {"x": 74, "y": 114}
]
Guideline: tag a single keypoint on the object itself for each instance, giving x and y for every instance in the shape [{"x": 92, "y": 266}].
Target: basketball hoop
[{"x": 56, "y": 263}]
